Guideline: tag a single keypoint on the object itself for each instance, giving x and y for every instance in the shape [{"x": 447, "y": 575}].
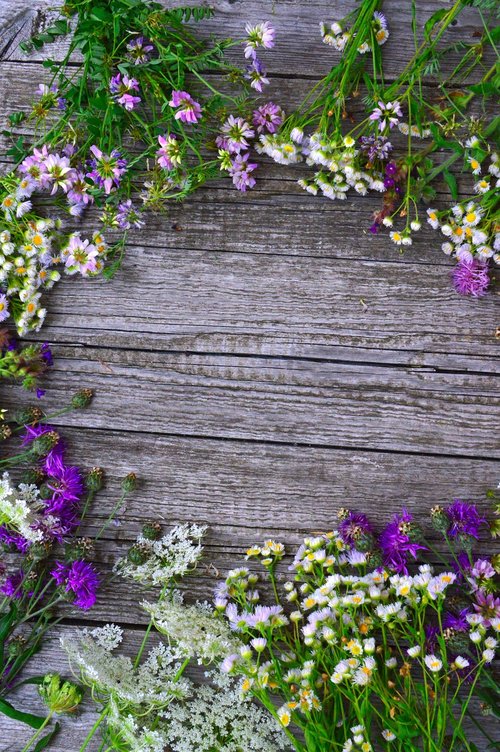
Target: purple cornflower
[
  {"x": 122, "y": 87},
  {"x": 471, "y": 277},
  {"x": 168, "y": 155},
  {"x": 457, "y": 622},
  {"x": 268, "y": 117},
  {"x": 488, "y": 606},
  {"x": 261, "y": 35},
  {"x": 12, "y": 585},
  {"x": 235, "y": 133},
  {"x": 396, "y": 544},
  {"x": 240, "y": 172},
  {"x": 107, "y": 169},
  {"x": 4, "y": 307},
  {"x": 190, "y": 110},
  {"x": 139, "y": 49},
  {"x": 464, "y": 519},
  {"x": 34, "y": 432},
  {"x": 9, "y": 539},
  {"x": 80, "y": 256},
  {"x": 387, "y": 114},
  {"x": 80, "y": 579},
  {"x": 256, "y": 74},
  {"x": 375, "y": 147},
  {"x": 65, "y": 481},
  {"x": 127, "y": 216},
  {"x": 354, "y": 526}
]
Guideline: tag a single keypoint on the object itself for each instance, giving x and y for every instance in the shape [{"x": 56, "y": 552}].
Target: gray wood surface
[{"x": 260, "y": 360}]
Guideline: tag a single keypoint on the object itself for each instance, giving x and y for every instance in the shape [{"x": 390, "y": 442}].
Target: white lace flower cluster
[
  {"x": 170, "y": 557},
  {"x": 18, "y": 509},
  {"x": 195, "y": 629},
  {"x": 153, "y": 684},
  {"x": 217, "y": 717}
]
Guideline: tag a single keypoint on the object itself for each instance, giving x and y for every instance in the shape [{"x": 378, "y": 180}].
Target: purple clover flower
[
  {"x": 375, "y": 147},
  {"x": 387, "y": 114},
  {"x": 396, "y": 544},
  {"x": 241, "y": 170},
  {"x": 235, "y": 134},
  {"x": 464, "y": 519},
  {"x": 268, "y": 117},
  {"x": 261, "y": 35},
  {"x": 188, "y": 110},
  {"x": 127, "y": 216},
  {"x": 471, "y": 277},
  {"x": 122, "y": 87},
  {"x": 168, "y": 155},
  {"x": 80, "y": 579},
  {"x": 256, "y": 74},
  {"x": 488, "y": 606},
  {"x": 354, "y": 526},
  {"x": 139, "y": 50},
  {"x": 106, "y": 169}
]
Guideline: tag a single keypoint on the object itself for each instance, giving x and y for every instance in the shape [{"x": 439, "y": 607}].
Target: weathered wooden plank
[
  {"x": 281, "y": 400},
  {"x": 177, "y": 296},
  {"x": 299, "y": 47}
]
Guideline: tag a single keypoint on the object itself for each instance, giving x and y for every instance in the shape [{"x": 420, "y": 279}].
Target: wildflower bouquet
[
  {"x": 44, "y": 561},
  {"x": 141, "y": 117},
  {"x": 402, "y": 128}
]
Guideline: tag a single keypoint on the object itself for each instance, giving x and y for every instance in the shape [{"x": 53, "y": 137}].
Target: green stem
[{"x": 38, "y": 732}]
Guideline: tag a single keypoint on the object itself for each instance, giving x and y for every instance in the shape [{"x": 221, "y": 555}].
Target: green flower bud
[
  {"x": 16, "y": 646},
  {"x": 33, "y": 475},
  {"x": 29, "y": 416},
  {"x": 42, "y": 445},
  {"x": 82, "y": 398},
  {"x": 79, "y": 548},
  {"x": 60, "y": 696},
  {"x": 151, "y": 530},
  {"x": 94, "y": 479},
  {"x": 129, "y": 483},
  {"x": 138, "y": 554}
]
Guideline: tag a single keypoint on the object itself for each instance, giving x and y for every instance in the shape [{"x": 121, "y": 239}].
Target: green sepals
[{"x": 60, "y": 696}]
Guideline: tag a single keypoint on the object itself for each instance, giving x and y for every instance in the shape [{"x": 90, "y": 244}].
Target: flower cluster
[
  {"x": 26, "y": 363},
  {"x": 377, "y": 31}
]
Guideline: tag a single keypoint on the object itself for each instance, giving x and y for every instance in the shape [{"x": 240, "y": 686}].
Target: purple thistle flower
[
  {"x": 139, "y": 49},
  {"x": 63, "y": 480},
  {"x": 353, "y": 527},
  {"x": 268, "y": 117},
  {"x": 396, "y": 543},
  {"x": 33, "y": 432},
  {"x": 240, "y": 172},
  {"x": 190, "y": 110},
  {"x": 13, "y": 540},
  {"x": 488, "y": 606},
  {"x": 80, "y": 579},
  {"x": 471, "y": 277},
  {"x": 40, "y": 393},
  {"x": 12, "y": 585},
  {"x": 464, "y": 519},
  {"x": 457, "y": 622},
  {"x": 122, "y": 87},
  {"x": 374, "y": 228}
]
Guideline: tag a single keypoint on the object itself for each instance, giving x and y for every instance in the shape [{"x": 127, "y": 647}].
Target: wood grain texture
[{"x": 261, "y": 361}]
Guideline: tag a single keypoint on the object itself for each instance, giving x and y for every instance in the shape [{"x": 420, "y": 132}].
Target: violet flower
[
  {"x": 256, "y": 74},
  {"x": 106, "y": 169},
  {"x": 387, "y": 114},
  {"x": 396, "y": 543},
  {"x": 168, "y": 155},
  {"x": 241, "y": 170},
  {"x": 139, "y": 49},
  {"x": 235, "y": 133},
  {"x": 464, "y": 519},
  {"x": 122, "y": 87},
  {"x": 127, "y": 216},
  {"x": 80, "y": 579},
  {"x": 488, "y": 606},
  {"x": 268, "y": 117},
  {"x": 353, "y": 527},
  {"x": 471, "y": 277},
  {"x": 188, "y": 110},
  {"x": 261, "y": 35}
]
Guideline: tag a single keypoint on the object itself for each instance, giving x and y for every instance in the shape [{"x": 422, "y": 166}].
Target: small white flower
[
  {"x": 476, "y": 637},
  {"x": 388, "y": 735},
  {"x": 433, "y": 663},
  {"x": 488, "y": 656},
  {"x": 460, "y": 662},
  {"x": 414, "y": 651}
]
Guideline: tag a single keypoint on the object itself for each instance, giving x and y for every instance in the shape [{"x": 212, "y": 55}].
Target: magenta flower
[
  {"x": 13, "y": 540},
  {"x": 261, "y": 35},
  {"x": 471, "y": 277},
  {"x": 80, "y": 579},
  {"x": 235, "y": 135},
  {"x": 488, "y": 606},
  {"x": 168, "y": 155},
  {"x": 190, "y": 110},
  {"x": 396, "y": 543},
  {"x": 122, "y": 88},
  {"x": 464, "y": 519},
  {"x": 268, "y": 117},
  {"x": 80, "y": 256},
  {"x": 12, "y": 585},
  {"x": 107, "y": 169},
  {"x": 241, "y": 170}
]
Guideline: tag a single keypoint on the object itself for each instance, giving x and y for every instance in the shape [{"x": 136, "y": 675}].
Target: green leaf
[
  {"x": 45, "y": 740},
  {"x": 100, "y": 14},
  {"x": 433, "y": 20},
  {"x": 35, "y": 721},
  {"x": 451, "y": 182}
]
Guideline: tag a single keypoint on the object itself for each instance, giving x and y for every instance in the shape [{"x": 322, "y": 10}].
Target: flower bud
[
  {"x": 138, "y": 554},
  {"x": 79, "y": 548},
  {"x": 28, "y": 416},
  {"x": 129, "y": 483},
  {"x": 82, "y": 398},
  {"x": 94, "y": 479},
  {"x": 60, "y": 696},
  {"x": 42, "y": 445},
  {"x": 151, "y": 530}
]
